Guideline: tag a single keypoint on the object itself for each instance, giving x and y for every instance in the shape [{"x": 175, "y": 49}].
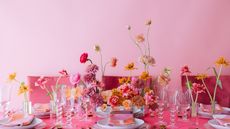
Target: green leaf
[{"x": 218, "y": 81}]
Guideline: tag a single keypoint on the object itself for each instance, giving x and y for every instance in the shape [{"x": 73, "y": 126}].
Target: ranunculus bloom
[
  {"x": 114, "y": 100},
  {"x": 140, "y": 38},
  {"x": 84, "y": 57},
  {"x": 41, "y": 82},
  {"x": 114, "y": 62},
  {"x": 163, "y": 80},
  {"x": 75, "y": 79},
  {"x": 198, "y": 88},
  {"x": 185, "y": 70},
  {"x": 63, "y": 72}
]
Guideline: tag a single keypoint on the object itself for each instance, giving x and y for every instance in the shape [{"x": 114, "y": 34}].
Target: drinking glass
[
  {"x": 5, "y": 97},
  {"x": 184, "y": 100},
  {"x": 162, "y": 94},
  {"x": 172, "y": 100}
]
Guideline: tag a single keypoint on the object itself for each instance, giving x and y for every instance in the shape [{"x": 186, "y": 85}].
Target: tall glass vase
[
  {"x": 27, "y": 105},
  {"x": 213, "y": 106}
]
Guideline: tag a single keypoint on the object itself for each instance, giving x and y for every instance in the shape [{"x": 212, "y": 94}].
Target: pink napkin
[
  {"x": 19, "y": 120},
  {"x": 224, "y": 121},
  {"x": 207, "y": 108}
]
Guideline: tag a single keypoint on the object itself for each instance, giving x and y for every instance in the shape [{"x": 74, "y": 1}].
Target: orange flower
[
  {"x": 138, "y": 101},
  {"x": 222, "y": 61},
  {"x": 12, "y": 77},
  {"x": 127, "y": 104},
  {"x": 114, "y": 62},
  {"x": 144, "y": 75},
  {"x": 140, "y": 38},
  {"x": 201, "y": 76},
  {"x": 130, "y": 66},
  {"x": 124, "y": 80}
]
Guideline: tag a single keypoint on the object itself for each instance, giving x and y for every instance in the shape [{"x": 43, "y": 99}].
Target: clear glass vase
[
  {"x": 194, "y": 112},
  {"x": 27, "y": 107},
  {"x": 213, "y": 107}
]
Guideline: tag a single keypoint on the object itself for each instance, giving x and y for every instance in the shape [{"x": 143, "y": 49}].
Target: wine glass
[{"x": 183, "y": 99}]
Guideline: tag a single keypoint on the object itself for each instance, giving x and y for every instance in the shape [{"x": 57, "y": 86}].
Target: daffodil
[
  {"x": 144, "y": 75},
  {"x": 23, "y": 88},
  {"x": 130, "y": 66},
  {"x": 97, "y": 48},
  {"x": 201, "y": 76},
  {"x": 222, "y": 61},
  {"x": 12, "y": 77}
]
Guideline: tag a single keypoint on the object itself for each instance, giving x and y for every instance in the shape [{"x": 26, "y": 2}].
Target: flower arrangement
[
  {"x": 112, "y": 62},
  {"x": 42, "y": 81},
  {"x": 142, "y": 43},
  {"x": 220, "y": 63},
  {"x": 23, "y": 88},
  {"x": 193, "y": 88},
  {"x": 164, "y": 77},
  {"x": 90, "y": 85}
]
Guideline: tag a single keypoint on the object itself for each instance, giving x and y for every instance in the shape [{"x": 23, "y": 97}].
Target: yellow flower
[
  {"x": 97, "y": 48},
  {"x": 127, "y": 104},
  {"x": 201, "y": 76},
  {"x": 130, "y": 66},
  {"x": 116, "y": 92},
  {"x": 124, "y": 80},
  {"x": 23, "y": 88},
  {"x": 148, "y": 22},
  {"x": 144, "y": 75},
  {"x": 147, "y": 89},
  {"x": 222, "y": 61},
  {"x": 12, "y": 76},
  {"x": 140, "y": 38}
]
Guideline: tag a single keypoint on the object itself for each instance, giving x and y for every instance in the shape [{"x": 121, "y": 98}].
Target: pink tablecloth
[{"x": 149, "y": 120}]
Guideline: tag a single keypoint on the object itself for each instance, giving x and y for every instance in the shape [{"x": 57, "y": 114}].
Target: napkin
[
  {"x": 41, "y": 108},
  {"x": 224, "y": 121},
  {"x": 207, "y": 108},
  {"x": 19, "y": 119}
]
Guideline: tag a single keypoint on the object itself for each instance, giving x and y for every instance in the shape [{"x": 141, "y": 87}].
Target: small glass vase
[
  {"x": 194, "y": 110},
  {"x": 53, "y": 109},
  {"x": 213, "y": 107},
  {"x": 27, "y": 108}
]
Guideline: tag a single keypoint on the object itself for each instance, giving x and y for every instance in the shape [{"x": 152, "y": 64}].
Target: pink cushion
[
  {"x": 222, "y": 95},
  {"x": 39, "y": 95}
]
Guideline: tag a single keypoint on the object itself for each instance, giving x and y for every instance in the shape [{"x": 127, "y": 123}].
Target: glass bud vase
[
  {"x": 194, "y": 111},
  {"x": 213, "y": 107},
  {"x": 27, "y": 107}
]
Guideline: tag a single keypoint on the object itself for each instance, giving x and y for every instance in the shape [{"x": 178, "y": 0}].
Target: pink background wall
[{"x": 42, "y": 37}]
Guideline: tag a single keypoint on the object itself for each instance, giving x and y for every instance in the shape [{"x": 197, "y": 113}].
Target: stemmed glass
[
  {"x": 162, "y": 94},
  {"x": 183, "y": 99},
  {"x": 5, "y": 97},
  {"x": 173, "y": 108}
]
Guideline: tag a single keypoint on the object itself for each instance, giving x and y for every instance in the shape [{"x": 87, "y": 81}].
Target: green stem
[
  {"x": 56, "y": 86},
  {"x": 217, "y": 80},
  {"x": 210, "y": 96},
  {"x": 136, "y": 43},
  {"x": 105, "y": 68},
  {"x": 189, "y": 88},
  {"x": 148, "y": 40},
  {"x": 102, "y": 68},
  {"x": 25, "y": 97}
]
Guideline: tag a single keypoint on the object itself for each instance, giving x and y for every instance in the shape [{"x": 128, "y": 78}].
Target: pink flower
[
  {"x": 97, "y": 99},
  {"x": 84, "y": 57},
  {"x": 64, "y": 73},
  {"x": 185, "y": 70},
  {"x": 41, "y": 82},
  {"x": 137, "y": 83},
  {"x": 150, "y": 98},
  {"x": 75, "y": 79},
  {"x": 114, "y": 62},
  {"x": 198, "y": 88},
  {"x": 89, "y": 78},
  {"x": 92, "y": 68}
]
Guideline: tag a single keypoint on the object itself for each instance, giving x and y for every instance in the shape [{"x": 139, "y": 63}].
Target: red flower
[
  {"x": 63, "y": 72},
  {"x": 84, "y": 57},
  {"x": 114, "y": 100},
  {"x": 185, "y": 70},
  {"x": 198, "y": 88}
]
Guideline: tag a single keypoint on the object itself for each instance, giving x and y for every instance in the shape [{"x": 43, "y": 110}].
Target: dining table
[{"x": 150, "y": 122}]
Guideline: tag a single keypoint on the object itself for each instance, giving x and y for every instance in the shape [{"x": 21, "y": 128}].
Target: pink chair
[
  {"x": 222, "y": 95},
  {"x": 39, "y": 95},
  {"x": 112, "y": 81}
]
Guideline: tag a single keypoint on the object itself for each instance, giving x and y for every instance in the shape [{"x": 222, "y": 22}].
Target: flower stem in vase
[
  {"x": 213, "y": 106},
  {"x": 194, "y": 113}
]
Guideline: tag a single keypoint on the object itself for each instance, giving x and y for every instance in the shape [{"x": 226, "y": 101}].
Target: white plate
[
  {"x": 104, "y": 124},
  {"x": 35, "y": 122},
  {"x": 216, "y": 125},
  {"x": 105, "y": 113}
]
